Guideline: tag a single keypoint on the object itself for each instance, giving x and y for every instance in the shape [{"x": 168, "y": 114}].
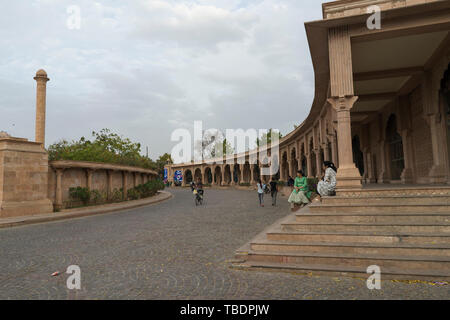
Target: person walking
[
  {"x": 274, "y": 190},
  {"x": 260, "y": 187}
]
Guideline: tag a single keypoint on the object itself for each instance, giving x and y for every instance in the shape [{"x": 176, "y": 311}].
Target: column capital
[{"x": 342, "y": 103}]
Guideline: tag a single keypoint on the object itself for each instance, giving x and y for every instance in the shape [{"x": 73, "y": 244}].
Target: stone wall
[
  {"x": 94, "y": 176},
  {"x": 23, "y": 178}
]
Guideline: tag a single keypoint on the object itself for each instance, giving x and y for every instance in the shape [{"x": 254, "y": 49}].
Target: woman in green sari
[{"x": 300, "y": 195}]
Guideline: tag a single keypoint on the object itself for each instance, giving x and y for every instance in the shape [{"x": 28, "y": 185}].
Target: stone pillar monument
[{"x": 41, "y": 80}]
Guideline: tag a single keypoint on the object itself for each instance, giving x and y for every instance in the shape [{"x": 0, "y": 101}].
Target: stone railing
[{"x": 104, "y": 177}]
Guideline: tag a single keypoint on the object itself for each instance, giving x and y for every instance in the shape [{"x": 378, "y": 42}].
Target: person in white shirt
[{"x": 261, "y": 188}]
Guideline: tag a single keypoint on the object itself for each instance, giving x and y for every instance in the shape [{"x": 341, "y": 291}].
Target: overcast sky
[{"x": 144, "y": 68}]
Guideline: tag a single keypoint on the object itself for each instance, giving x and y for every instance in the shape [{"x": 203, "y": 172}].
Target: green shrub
[
  {"x": 245, "y": 184},
  {"x": 133, "y": 194},
  {"x": 80, "y": 194},
  {"x": 117, "y": 195},
  {"x": 146, "y": 190},
  {"x": 281, "y": 183},
  {"x": 97, "y": 197}
]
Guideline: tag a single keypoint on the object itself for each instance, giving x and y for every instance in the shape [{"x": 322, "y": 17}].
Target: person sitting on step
[{"x": 301, "y": 194}]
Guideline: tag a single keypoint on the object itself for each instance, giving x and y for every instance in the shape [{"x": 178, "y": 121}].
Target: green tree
[
  {"x": 266, "y": 138},
  {"x": 106, "y": 147},
  {"x": 166, "y": 158},
  {"x": 222, "y": 148}
]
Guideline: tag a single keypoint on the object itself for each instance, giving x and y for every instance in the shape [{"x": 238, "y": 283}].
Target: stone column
[
  {"x": 288, "y": 162},
  {"x": 437, "y": 173},
  {"x": 109, "y": 188},
  {"x": 334, "y": 153},
  {"x": 41, "y": 93},
  {"x": 326, "y": 152},
  {"x": 89, "y": 173},
  {"x": 134, "y": 179},
  {"x": 222, "y": 171},
  {"x": 59, "y": 198},
  {"x": 348, "y": 175},
  {"x": 407, "y": 175},
  {"x": 309, "y": 165},
  {"x": 241, "y": 178},
  {"x": 437, "y": 122},
  {"x": 204, "y": 177},
  {"x": 365, "y": 176},
  {"x": 369, "y": 168},
  {"x": 252, "y": 173},
  {"x": 124, "y": 184},
  {"x": 382, "y": 175},
  {"x": 342, "y": 99},
  {"x": 318, "y": 163}
]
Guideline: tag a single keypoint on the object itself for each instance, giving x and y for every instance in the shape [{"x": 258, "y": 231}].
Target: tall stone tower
[{"x": 41, "y": 92}]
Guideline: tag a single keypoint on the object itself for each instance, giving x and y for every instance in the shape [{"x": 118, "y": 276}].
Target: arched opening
[
  {"x": 209, "y": 177},
  {"x": 247, "y": 173},
  {"x": 285, "y": 166},
  {"x": 188, "y": 176},
  {"x": 237, "y": 173},
  {"x": 294, "y": 163},
  {"x": 395, "y": 149},
  {"x": 313, "y": 159},
  {"x": 256, "y": 172},
  {"x": 358, "y": 156},
  {"x": 198, "y": 175},
  {"x": 304, "y": 165},
  {"x": 445, "y": 103},
  {"x": 227, "y": 174},
  {"x": 329, "y": 155},
  {"x": 275, "y": 168},
  {"x": 218, "y": 176}
]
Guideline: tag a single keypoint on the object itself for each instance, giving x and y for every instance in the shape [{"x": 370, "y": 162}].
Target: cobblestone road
[{"x": 171, "y": 250}]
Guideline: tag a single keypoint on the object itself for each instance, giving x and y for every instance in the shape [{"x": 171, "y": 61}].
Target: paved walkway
[{"x": 171, "y": 250}]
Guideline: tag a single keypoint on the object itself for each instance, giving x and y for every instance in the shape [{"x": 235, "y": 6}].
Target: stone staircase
[{"x": 405, "y": 231}]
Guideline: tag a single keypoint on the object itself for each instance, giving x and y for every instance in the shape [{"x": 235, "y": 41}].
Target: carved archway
[
  {"x": 285, "y": 166},
  {"x": 237, "y": 173},
  {"x": 247, "y": 173},
  {"x": 444, "y": 96},
  {"x": 188, "y": 176},
  {"x": 198, "y": 175},
  {"x": 313, "y": 159},
  {"x": 227, "y": 174},
  {"x": 218, "y": 175},
  {"x": 209, "y": 177},
  {"x": 294, "y": 163}
]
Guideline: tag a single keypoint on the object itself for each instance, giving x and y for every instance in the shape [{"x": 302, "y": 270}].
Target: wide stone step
[
  {"x": 359, "y": 227},
  {"x": 373, "y": 208},
  {"x": 398, "y": 190},
  {"x": 362, "y": 237},
  {"x": 400, "y": 218},
  {"x": 349, "y": 271},
  {"x": 389, "y": 199},
  {"x": 436, "y": 263},
  {"x": 353, "y": 248}
]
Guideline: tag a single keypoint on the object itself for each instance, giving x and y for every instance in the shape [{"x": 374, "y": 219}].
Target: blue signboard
[
  {"x": 178, "y": 176},
  {"x": 165, "y": 174}
]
